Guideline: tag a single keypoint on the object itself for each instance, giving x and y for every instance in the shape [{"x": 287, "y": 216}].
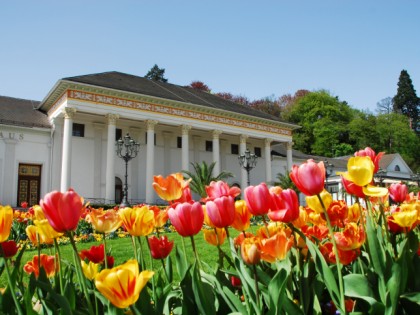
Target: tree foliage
[
  {"x": 156, "y": 74},
  {"x": 198, "y": 85}
]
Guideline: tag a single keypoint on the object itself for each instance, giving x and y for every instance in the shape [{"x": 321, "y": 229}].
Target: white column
[
  {"x": 223, "y": 153},
  {"x": 66, "y": 156},
  {"x": 97, "y": 158},
  {"x": 216, "y": 152},
  {"x": 242, "y": 149},
  {"x": 289, "y": 155},
  {"x": 56, "y": 156},
  {"x": 185, "y": 129},
  {"x": 150, "y": 159},
  {"x": 167, "y": 135},
  {"x": 267, "y": 148},
  {"x": 134, "y": 166},
  {"x": 9, "y": 184},
  {"x": 110, "y": 158}
]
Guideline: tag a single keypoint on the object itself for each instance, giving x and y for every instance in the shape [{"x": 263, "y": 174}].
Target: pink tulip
[
  {"x": 290, "y": 210},
  {"x": 187, "y": 218},
  {"x": 62, "y": 210},
  {"x": 221, "y": 211},
  {"x": 258, "y": 199},
  {"x": 220, "y": 188},
  {"x": 398, "y": 192},
  {"x": 309, "y": 177}
]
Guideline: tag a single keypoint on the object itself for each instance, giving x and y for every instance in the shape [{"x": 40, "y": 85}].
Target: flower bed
[{"x": 326, "y": 257}]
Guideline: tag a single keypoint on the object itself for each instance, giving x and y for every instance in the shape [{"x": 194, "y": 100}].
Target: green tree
[
  {"x": 363, "y": 132},
  {"x": 324, "y": 123},
  {"x": 156, "y": 74},
  {"x": 406, "y": 101},
  {"x": 284, "y": 181},
  {"x": 203, "y": 176}
]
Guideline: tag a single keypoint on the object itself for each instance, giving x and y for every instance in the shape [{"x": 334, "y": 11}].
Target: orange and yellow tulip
[
  {"x": 138, "y": 221},
  {"x": 251, "y": 250},
  {"x": 352, "y": 237},
  {"x": 90, "y": 270},
  {"x": 104, "y": 221},
  {"x": 6, "y": 220},
  {"x": 45, "y": 261},
  {"x": 122, "y": 285},
  {"x": 161, "y": 216},
  {"x": 276, "y": 247},
  {"x": 243, "y": 216},
  {"x": 215, "y": 236},
  {"x": 169, "y": 188}
]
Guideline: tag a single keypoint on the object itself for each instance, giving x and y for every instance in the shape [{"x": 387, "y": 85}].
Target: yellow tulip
[
  {"x": 38, "y": 213},
  {"x": 122, "y": 285},
  {"x": 405, "y": 218},
  {"x": 46, "y": 230},
  {"x": 213, "y": 239},
  {"x": 36, "y": 237},
  {"x": 6, "y": 219},
  {"x": 314, "y": 204},
  {"x": 90, "y": 270},
  {"x": 359, "y": 170},
  {"x": 373, "y": 191},
  {"x": 138, "y": 221}
]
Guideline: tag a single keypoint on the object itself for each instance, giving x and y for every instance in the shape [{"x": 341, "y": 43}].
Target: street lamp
[
  {"x": 131, "y": 149},
  {"x": 381, "y": 173},
  {"x": 248, "y": 161}
]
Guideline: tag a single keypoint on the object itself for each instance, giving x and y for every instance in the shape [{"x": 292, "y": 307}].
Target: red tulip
[
  {"x": 289, "y": 210},
  {"x": 235, "y": 281},
  {"x": 352, "y": 188},
  {"x": 161, "y": 247},
  {"x": 62, "y": 210},
  {"x": 398, "y": 192},
  {"x": 9, "y": 248},
  {"x": 46, "y": 262},
  {"x": 221, "y": 211},
  {"x": 373, "y": 156},
  {"x": 309, "y": 177},
  {"x": 95, "y": 254},
  {"x": 258, "y": 199},
  {"x": 187, "y": 218}
]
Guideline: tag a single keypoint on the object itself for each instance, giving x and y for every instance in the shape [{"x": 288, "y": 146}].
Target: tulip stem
[
  {"x": 195, "y": 252},
  {"x": 142, "y": 262},
  {"x": 134, "y": 310},
  {"x": 133, "y": 240},
  {"x": 164, "y": 269},
  {"x": 79, "y": 272},
  {"x": 58, "y": 264},
  {"x": 257, "y": 290},
  {"x": 9, "y": 280},
  {"x": 337, "y": 258},
  {"x": 151, "y": 267},
  {"x": 184, "y": 250},
  {"x": 105, "y": 258}
]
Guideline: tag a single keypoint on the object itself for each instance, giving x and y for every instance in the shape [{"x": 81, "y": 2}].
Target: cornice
[{"x": 65, "y": 90}]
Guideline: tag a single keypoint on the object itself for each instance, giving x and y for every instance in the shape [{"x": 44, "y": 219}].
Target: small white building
[{"x": 68, "y": 139}]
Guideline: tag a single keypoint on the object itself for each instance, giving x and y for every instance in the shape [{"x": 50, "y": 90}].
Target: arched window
[{"x": 397, "y": 168}]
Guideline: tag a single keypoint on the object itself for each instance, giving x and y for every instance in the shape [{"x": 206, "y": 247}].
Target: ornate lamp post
[
  {"x": 248, "y": 161},
  {"x": 127, "y": 149}
]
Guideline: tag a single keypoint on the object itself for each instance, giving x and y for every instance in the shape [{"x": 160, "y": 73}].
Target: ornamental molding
[
  {"x": 185, "y": 129},
  {"x": 112, "y": 118},
  {"x": 171, "y": 108},
  {"x": 150, "y": 124},
  {"x": 68, "y": 112}
]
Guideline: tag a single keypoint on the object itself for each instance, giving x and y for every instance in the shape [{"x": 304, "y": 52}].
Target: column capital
[
  {"x": 185, "y": 129},
  {"x": 68, "y": 112},
  {"x": 150, "y": 124},
  {"x": 267, "y": 141},
  {"x": 112, "y": 118},
  {"x": 243, "y": 138},
  {"x": 216, "y": 134}
]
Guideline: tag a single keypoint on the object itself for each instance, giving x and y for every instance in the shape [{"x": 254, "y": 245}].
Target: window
[
  {"x": 209, "y": 146},
  {"x": 257, "y": 151},
  {"x": 397, "y": 168},
  {"x": 78, "y": 130},
  {"x": 118, "y": 134},
  {"x": 179, "y": 142},
  {"x": 234, "y": 149}
]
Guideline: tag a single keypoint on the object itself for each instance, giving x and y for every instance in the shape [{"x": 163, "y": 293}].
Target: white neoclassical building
[{"x": 69, "y": 139}]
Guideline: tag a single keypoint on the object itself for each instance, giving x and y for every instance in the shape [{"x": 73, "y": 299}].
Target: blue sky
[{"x": 354, "y": 49}]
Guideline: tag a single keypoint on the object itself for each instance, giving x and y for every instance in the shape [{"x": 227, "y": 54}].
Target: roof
[
  {"x": 20, "y": 112},
  {"x": 135, "y": 84}
]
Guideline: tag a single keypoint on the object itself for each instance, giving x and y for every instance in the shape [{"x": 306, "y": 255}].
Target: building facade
[{"x": 68, "y": 139}]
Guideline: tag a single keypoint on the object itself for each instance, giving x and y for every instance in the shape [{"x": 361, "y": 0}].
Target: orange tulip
[
  {"x": 215, "y": 237},
  {"x": 276, "y": 247},
  {"x": 345, "y": 256},
  {"x": 138, "y": 221},
  {"x": 104, "y": 221},
  {"x": 169, "y": 188},
  {"x": 46, "y": 262},
  {"x": 6, "y": 219},
  {"x": 251, "y": 250},
  {"x": 352, "y": 237},
  {"x": 337, "y": 212},
  {"x": 242, "y": 216},
  {"x": 354, "y": 212},
  {"x": 161, "y": 216},
  {"x": 122, "y": 285}
]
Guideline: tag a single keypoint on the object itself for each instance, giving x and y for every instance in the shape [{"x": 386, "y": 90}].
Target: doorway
[{"x": 29, "y": 184}]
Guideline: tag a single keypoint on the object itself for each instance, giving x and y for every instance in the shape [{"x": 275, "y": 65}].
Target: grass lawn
[{"x": 122, "y": 250}]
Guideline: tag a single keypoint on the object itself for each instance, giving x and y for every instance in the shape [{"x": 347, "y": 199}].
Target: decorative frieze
[{"x": 169, "y": 110}]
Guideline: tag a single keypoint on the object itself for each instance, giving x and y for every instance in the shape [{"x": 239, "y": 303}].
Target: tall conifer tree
[{"x": 406, "y": 101}]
